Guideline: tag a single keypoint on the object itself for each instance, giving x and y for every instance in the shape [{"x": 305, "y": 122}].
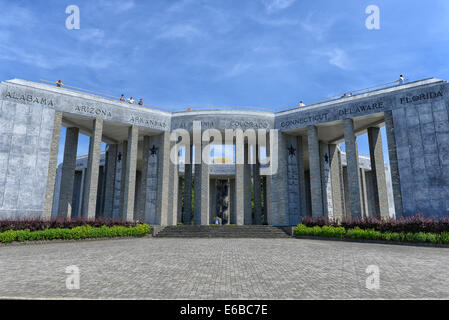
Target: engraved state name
[
  {"x": 147, "y": 122},
  {"x": 93, "y": 110},
  {"x": 29, "y": 98},
  {"x": 422, "y": 96},
  {"x": 304, "y": 120},
  {"x": 361, "y": 108},
  {"x": 249, "y": 124}
]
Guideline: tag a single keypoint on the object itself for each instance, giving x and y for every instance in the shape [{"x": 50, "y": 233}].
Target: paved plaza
[{"x": 151, "y": 268}]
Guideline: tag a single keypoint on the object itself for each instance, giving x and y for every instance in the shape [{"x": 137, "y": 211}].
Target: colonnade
[{"x": 158, "y": 195}]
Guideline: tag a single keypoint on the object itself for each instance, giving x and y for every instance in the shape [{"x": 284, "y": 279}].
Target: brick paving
[{"x": 152, "y": 268}]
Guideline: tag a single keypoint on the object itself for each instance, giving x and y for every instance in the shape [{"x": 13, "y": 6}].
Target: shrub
[
  {"x": 325, "y": 231},
  {"x": 330, "y": 231},
  {"x": 432, "y": 237},
  {"x": 413, "y": 224},
  {"x": 371, "y": 234},
  {"x": 80, "y": 232},
  {"x": 444, "y": 237},
  {"x": 40, "y": 224}
]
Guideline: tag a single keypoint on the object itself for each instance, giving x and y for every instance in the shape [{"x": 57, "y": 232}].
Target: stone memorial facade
[{"x": 135, "y": 179}]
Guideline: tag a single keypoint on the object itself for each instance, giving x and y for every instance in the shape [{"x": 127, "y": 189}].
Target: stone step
[
  {"x": 210, "y": 235},
  {"x": 222, "y": 232}
]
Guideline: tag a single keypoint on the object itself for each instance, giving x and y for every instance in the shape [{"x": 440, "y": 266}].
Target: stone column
[
  {"x": 315, "y": 171},
  {"x": 248, "y": 212},
  {"x": 117, "y": 202},
  {"x": 93, "y": 167},
  {"x": 352, "y": 159},
  {"x": 328, "y": 205},
  {"x": 101, "y": 196},
  {"x": 265, "y": 187},
  {"x": 180, "y": 193},
  {"x": 205, "y": 180},
  {"x": 201, "y": 205},
  {"x": 188, "y": 185},
  {"x": 79, "y": 213},
  {"x": 213, "y": 200},
  {"x": 232, "y": 216},
  {"x": 394, "y": 169},
  {"x": 197, "y": 194},
  {"x": 146, "y": 154},
  {"x": 173, "y": 186},
  {"x": 378, "y": 173},
  {"x": 226, "y": 201},
  {"x": 150, "y": 181},
  {"x": 364, "y": 193},
  {"x": 239, "y": 187},
  {"x": 257, "y": 188},
  {"x": 277, "y": 187},
  {"x": 336, "y": 182},
  {"x": 163, "y": 183},
  {"x": 110, "y": 166},
  {"x": 302, "y": 178},
  {"x": 121, "y": 189},
  {"x": 265, "y": 208},
  {"x": 68, "y": 173},
  {"x": 130, "y": 174},
  {"x": 52, "y": 166},
  {"x": 294, "y": 197}
]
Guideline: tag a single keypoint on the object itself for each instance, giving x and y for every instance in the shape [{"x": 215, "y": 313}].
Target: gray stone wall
[
  {"x": 25, "y": 143},
  {"x": 422, "y": 142}
]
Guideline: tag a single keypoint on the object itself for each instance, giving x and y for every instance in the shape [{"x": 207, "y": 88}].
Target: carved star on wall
[
  {"x": 291, "y": 151},
  {"x": 153, "y": 150}
]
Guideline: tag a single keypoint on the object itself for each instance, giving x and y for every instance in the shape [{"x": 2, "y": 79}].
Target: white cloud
[
  {"x": 277, "y": 5},
  {"x": 179, "y": 5},
  {"x": 117, "y": 5},
  {"x": 338, "y": 58},
  {"x": 238, "y": 69},
  {"x": 60, "y": 58},
  {"x": 275, "y": 22},
  {"x": 17, "y": 17},
  {"x": 317, "y": 28},
  {"x": 89, "y": 34},
  {"x": 180, "y": 31}
]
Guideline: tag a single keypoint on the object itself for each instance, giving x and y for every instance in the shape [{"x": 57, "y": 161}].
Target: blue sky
[{"x": 186, "y": 53}]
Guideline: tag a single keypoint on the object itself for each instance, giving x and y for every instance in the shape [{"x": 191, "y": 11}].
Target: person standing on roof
[
  {"x": 59, "y": 84},
  {"x": 131, "y": 100},
  {"x": 122, "y": 98},
  {"x": 401, "y": 80},
  {"x": 301, "y": 104},
  {"x": 140, "y": 102}
]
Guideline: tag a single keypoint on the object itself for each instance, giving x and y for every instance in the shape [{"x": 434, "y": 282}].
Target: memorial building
[{"x": 135, "y": 178}]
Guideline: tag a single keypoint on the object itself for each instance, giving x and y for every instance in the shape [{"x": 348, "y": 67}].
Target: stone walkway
[{"x": 223, "y": 269}]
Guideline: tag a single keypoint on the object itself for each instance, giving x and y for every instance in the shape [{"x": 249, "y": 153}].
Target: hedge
[
  {"x": 37, "y": 224},
  {"x": 412, "y": 224},
  {"x": 371, "y": 234},
  {"x": 82, "y": 232}
]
